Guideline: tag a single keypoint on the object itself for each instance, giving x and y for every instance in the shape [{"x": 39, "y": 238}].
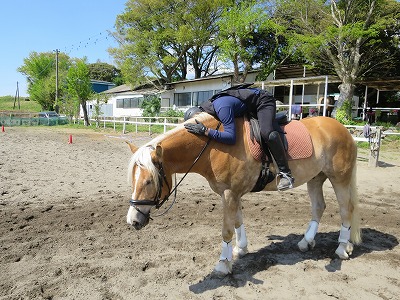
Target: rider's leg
[
  {"x": 277, "y": 151},
  {"x": 266, "y": 115}
]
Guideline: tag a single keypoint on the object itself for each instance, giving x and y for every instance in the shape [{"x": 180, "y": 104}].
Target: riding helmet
[{"x": 191, "y": 112}]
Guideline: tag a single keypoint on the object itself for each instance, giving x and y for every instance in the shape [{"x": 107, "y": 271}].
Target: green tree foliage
[
  {"x": 248, "y": 36},
  {"x": 162, "y": 38},
  {"x": 105, "y": 72},
  {"x": 40, "y": 72},
  {"x": 173, "y": 114},
  {"x": 78, "y": 86},
  {"x": 343, "y": 114},
  {"x": 99, "y": 100},
  {"x": 342, "y": 37},
  {"x": 151, "y": 106}
]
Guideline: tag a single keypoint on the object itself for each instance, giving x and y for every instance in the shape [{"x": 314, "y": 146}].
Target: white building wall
[{"x": 125, "y": 112}]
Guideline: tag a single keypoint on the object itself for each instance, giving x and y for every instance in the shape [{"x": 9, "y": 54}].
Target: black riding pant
[{"x": 266, "y": 112}]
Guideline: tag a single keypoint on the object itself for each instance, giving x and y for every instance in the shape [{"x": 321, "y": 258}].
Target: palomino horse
[
  {"x": 231, "y": 171},
  {"x": 329, "y": 106}
]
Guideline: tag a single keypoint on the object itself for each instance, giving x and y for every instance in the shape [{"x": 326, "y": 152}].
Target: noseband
[{"x": 157, "y": 202}]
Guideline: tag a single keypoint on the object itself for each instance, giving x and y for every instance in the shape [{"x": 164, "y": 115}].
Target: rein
[{"x": 156, "y": 201}]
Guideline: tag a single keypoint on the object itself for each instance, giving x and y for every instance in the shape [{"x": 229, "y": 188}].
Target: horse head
[{"x": 150, "y": 185}]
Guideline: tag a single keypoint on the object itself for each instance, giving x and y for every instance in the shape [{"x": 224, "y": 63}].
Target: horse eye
[{"x": 148, "y": 182}]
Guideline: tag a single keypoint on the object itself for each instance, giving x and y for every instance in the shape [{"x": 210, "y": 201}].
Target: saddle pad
[{"x": 299, "y": 141}]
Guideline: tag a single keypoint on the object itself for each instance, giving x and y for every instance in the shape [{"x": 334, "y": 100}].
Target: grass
[{"x": 7, "y": 103}]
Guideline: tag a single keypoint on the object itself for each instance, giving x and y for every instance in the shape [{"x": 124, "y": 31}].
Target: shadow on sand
[{"x": 283, "y": 251}]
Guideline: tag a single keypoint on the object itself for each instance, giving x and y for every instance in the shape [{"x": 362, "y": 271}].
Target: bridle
[{"x": 157, "y": 201}]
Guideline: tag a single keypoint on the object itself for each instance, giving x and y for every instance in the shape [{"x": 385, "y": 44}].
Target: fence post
[
  {"x": 123, "y": 126},
  {"x": 374, "y": 149}
]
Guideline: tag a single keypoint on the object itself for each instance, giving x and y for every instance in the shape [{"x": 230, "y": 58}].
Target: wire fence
[{"x": 12, "y": 118}]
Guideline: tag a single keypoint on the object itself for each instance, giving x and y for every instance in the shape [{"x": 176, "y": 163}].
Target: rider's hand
[{"x": 197, "y": 128}]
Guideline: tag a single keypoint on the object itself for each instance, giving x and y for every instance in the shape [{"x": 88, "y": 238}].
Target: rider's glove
[{"x": 197, "y": 128}]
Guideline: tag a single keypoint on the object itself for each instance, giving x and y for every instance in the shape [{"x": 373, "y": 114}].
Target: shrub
[{"x": 343, "y": 113}]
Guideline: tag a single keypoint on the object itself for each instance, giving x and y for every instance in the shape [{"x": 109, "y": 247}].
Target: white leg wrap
[
  {"x": 241, "y": 239},
  {"x": 311, "y": 231},
  {"x": 344, "y": 235},
  {"x": 226, "y": 253}
]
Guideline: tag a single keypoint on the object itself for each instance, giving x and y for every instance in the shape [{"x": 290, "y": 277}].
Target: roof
[
  {"x": 284, "y": 76},
  {"x": 295, "y": 71},
  {"x": 382, "y": 84},
  {"x": 118, "y": 89},
  {"x": 300, "y": 81},
  {"x": 215, "y": 76},
  {"x": 102, "y": 82},
  {"x": 127, "y": 89}
]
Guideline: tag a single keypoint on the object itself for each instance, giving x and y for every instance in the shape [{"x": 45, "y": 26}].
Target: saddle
[{"x": 294, "y": 135}]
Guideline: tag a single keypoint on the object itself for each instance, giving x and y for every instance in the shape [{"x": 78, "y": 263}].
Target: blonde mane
[{"x": 142, "y": 157}]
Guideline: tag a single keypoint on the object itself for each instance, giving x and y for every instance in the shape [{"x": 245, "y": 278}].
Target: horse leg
[
  {"x": 240, "y": 248},
  {"x": 314, "y": 188},
  {"x": 230, "y": 211},
  {"x": 346, "y": 195}
]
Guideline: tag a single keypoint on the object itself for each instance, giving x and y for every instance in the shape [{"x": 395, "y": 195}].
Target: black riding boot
[{"x": 277, "y": 151}]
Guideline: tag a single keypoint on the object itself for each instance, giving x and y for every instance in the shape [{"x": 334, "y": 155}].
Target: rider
[{"x": 235, "y": 102}]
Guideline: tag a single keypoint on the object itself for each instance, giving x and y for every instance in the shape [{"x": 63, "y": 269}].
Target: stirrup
[{"x": 286, "y": 176}]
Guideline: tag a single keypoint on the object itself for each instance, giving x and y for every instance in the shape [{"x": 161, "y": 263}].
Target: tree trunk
[
  {"x": 85, "y": 114},
  {"x": 346, "y": 93}
]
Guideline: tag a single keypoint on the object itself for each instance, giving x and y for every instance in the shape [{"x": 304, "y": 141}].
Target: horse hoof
[
  {"x": 239, "y": 252},
  {"x": 344, "y": 250},
  {"x": 304, "y": 246},
  {"x": 349, "y": 248},
  {"x": 223, "y": 268}
]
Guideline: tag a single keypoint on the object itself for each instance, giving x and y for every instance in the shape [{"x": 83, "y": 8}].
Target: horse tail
[{"x": 355, "y": 233}]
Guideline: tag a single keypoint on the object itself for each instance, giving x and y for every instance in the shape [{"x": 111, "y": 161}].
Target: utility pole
[
  {"x": 56, "y": 102},
  {"x": 17, "y": 97}
]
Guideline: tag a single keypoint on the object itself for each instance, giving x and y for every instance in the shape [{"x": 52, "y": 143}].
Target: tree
[
  {"x": 100, "y": 99},
  {"x": 164, "y": 38},
  {"x": 341, "y": 37},
  {"x": 151, "y": 106},
  {"x": 249, "y": 37},
  {"x": 78, "y": 85},
  {"x": 40, "y": 72},
  {"x": 105, "y": 72}
]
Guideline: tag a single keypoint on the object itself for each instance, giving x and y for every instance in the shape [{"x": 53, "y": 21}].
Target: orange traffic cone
[{"x": 70, "y": 139}]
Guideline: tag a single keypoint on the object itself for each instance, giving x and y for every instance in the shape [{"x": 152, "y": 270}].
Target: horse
[
  {"x": 231, "y": 172},
  {"x": 329, "y": 106}
]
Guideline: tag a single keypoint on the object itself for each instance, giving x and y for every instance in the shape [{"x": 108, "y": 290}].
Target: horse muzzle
[
  {"x": 138, "y": 225},
  {"x": 137, "y": 218}
]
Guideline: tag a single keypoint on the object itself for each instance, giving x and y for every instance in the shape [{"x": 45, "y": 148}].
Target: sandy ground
[{"x": 64, "y": 233}]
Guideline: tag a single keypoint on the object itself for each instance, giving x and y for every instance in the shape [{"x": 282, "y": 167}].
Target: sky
[{"x": 78, "y": 28}]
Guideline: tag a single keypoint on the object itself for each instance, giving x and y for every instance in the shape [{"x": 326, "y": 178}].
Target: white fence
[
  {"x": 166, "y": 122},
  {"x": 374, "y": 139}
]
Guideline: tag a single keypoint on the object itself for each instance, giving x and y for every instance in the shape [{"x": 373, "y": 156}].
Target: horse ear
[
  {"x": 159, "y": 151},
  {"x": 157, "y": 154},
  {"x": 132, "y": 146}
]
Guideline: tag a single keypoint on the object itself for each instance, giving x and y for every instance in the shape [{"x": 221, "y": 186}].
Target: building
[
  {"x": 298, "y": 89},
  {"x": 122, "y": 101},
  {"x": 99, "y": 86}
]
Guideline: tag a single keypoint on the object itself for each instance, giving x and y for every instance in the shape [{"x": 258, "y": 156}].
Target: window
[
  {"x": 182, "y": 99},
  {"x": 200, "y": 97},
  {"x": 130, "y": 102}
]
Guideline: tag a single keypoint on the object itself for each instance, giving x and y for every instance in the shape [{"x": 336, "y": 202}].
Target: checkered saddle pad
[{"x": 298, "y": 140}]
